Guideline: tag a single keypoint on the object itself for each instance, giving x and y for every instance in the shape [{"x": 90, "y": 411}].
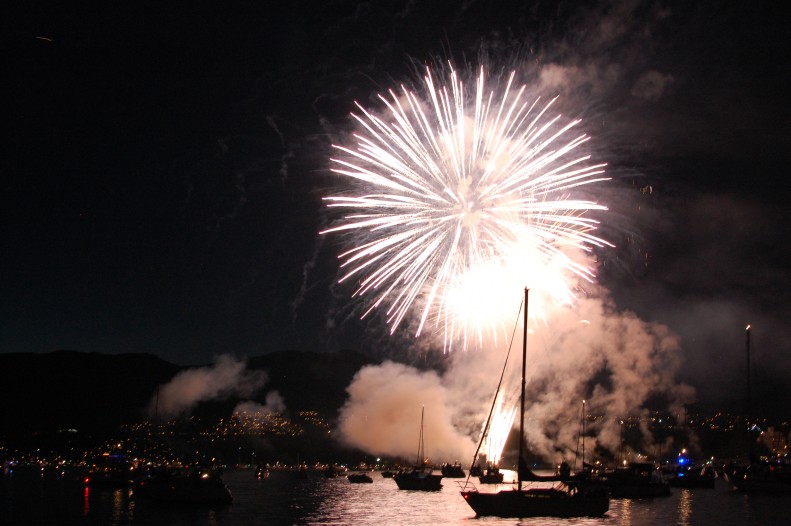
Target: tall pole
[
  {"x": 420, "y": 439},
  {"x": 583, "y": 435},
  {"x": 749, "y": 386},
  {"x": 749, "y": 396},
  {"x": 522, "y": 399}
]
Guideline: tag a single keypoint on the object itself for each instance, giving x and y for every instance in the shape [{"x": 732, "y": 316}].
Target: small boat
[
  {"x": 693, "y": 477},
  {"x": 359, "y": 478},
  {"x": 492, "y": 475},
  {"x": 761, "y": 477},
  {"x": 388, "y": 474},
  {"x": 111, "y": 470},
  {"x": 569, "y": 498},
  {"x": 635, "y": 480},
  {"x": 421, "y": 476},
  {"x": 685, "y": 474},
  {"x": 453, "y": 471},
  {"x": 758, "y": 476},
  {"x": 418, "y": 478}
]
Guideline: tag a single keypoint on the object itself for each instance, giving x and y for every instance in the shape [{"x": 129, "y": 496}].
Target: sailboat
[
  {"x": 453, "y": 471},
  {"x": 759, "y": 476},
  {"x": 492, "y": 475},
  {"x": 570, "y": 498},
  {"x": 420, "y": 476},
  {"x": 635, "y": 480}
]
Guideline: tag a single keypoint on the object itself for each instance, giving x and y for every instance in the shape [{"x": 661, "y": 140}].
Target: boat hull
[
  {"x": 453, "y": 471},
  {"x": 637, "y": 480},
  {"x": 491, "y": 478},
  {"x": 537, "y": 503},
  {"x": 360, "y": 478},
  {"x": 418, "y": 482},
  {"x": 762, "y": 478}
]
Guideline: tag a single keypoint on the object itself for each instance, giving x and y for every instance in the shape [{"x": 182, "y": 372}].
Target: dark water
[{"x": 53, "y": 500}]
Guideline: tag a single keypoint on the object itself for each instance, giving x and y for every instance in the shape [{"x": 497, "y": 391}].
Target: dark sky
[{"x": 162, "y": 169}]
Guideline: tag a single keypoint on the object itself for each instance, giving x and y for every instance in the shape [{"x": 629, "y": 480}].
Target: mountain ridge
[{"x": 97, "y": 392}]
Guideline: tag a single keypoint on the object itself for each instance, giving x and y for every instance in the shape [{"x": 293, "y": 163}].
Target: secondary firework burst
[{"x": 455, "y": 197}]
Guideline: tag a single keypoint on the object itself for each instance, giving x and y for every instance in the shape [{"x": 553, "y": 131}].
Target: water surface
[{"x": 27, "y": 499}]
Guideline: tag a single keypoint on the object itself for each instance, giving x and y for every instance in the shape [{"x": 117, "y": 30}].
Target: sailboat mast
[
  {"x": 420, "y": 440},
  {"x": 522, "y": 399},
  {"x": 583, "y": 435},
  {"x": 749, "y": 400}
]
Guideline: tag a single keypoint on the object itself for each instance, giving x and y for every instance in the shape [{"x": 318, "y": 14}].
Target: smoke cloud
[
  {"x": 382, "y": 414},
  {"x": 652, "y": 85},
  {"x": 613, "y": 360},
  {"x": 592, "y": 351},
  {"x": 227, "y": 377}
]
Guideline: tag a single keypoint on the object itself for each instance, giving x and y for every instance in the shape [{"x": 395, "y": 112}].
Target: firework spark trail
[
  {"x": 451, "y": 191},
  {"x": 502, "y": 420}
]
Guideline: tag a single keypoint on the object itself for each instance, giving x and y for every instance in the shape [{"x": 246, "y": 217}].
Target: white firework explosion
[{"x": 457, "y": 198}]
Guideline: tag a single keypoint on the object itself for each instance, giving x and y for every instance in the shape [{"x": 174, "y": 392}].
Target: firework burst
[{"x": 459, "y": 197}]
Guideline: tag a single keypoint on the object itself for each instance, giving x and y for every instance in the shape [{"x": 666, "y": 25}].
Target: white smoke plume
[
  {"x": 612, "y": 359},
  {"x": 382, "y": 414},
  {"x": 227, "y": 377}
]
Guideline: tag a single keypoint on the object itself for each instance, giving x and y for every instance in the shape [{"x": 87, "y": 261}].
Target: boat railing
[{"x": 466, "y": 485}]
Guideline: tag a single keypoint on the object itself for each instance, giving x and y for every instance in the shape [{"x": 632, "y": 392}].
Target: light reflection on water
[
  {"x": 625, "y": 512},
  {"x": 281, "y": 499},
  {"x": 86, "y": 501},
  {"x": 684, "y": 507}
]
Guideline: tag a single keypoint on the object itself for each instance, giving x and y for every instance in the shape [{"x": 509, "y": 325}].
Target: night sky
[{"x": 163, "y": 170}]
